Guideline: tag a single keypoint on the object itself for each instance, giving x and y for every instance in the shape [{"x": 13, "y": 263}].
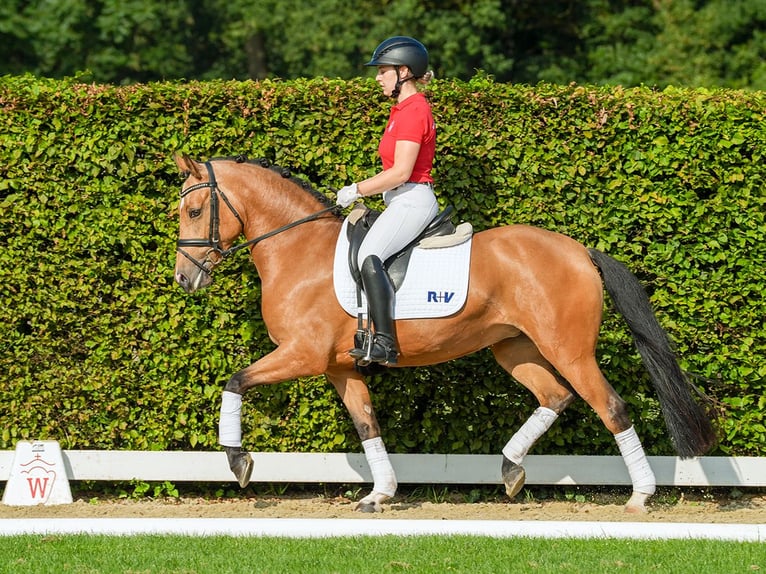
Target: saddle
[{"x": 361, "y": 219}]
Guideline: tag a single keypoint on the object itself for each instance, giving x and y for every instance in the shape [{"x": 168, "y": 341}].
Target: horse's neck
[
  {"x": 298, "y": 256},
  {"x": 269, "y": 201},
  {"x": 301, "y": 248}
]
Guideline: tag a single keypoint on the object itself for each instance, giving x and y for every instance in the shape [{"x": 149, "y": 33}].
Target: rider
[{"x": 407, "y": 151}]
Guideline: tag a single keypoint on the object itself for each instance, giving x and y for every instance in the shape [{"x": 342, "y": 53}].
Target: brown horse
[{"x": 535, "y": 300}]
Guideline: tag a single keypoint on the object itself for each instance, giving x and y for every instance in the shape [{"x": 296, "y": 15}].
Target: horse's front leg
[
  {"x": 356, "y": 397},
  {"x": 230, "y": 436},
  {"x": 275, "y": 367}
]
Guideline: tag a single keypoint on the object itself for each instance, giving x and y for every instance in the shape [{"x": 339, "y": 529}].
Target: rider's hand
[{"x": 348, "y": 195}]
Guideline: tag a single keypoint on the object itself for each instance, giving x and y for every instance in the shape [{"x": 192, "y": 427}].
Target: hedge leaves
[{"x": 100, "y": 349}]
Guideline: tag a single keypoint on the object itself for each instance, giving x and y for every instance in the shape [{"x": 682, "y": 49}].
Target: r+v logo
[{"x": 440, "y": 296}]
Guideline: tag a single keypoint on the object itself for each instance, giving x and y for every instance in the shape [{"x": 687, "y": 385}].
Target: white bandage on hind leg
[
  {"x": 535, "y": 427},
  {"x": 230, "y": 423},
  {"x": 632, "y": 452},
  {"x": 384, "y": 479}
]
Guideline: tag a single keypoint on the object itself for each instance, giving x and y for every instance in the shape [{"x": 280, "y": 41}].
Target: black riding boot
[{"x": 380, "y": 302}]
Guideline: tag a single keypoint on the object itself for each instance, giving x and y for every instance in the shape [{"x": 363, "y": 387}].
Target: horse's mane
[{"x": 283, "y": 172}]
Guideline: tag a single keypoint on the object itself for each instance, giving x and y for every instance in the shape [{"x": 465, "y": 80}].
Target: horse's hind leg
[
  {"x": 524, "y": 361},
  {"x": 588, "y": 381},
  {"x": 521, "y": 358}
]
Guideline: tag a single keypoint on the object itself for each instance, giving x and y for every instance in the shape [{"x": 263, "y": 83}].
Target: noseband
[{"x": 213, "y": 240}]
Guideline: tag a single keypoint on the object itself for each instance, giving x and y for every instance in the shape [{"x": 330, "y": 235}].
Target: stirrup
[
  {"x": 378, "y": 348},
  {"x": 362, "y": 346},
  {"x": 383, "y": 350}
]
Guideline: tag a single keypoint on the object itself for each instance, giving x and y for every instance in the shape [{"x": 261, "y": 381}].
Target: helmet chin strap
[{"x": 399, "y": 82}]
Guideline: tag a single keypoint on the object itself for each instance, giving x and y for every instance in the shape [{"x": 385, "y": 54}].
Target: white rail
[{"x": 175, "y": 466}]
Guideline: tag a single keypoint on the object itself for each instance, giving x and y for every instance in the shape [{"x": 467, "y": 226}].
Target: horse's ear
[{"x": 187, "y": 165}]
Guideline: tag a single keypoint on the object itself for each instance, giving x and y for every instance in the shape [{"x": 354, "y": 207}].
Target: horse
[{"x": 535, "y": 299}]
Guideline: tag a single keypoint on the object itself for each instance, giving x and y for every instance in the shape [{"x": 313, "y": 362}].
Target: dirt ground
[{"x": 669, "y": 506}]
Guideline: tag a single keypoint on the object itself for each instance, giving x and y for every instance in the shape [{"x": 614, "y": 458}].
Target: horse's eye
[{"x": 194, "y": 213}]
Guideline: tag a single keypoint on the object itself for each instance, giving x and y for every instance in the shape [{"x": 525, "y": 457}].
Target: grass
[{"x": 83, "y": 554}]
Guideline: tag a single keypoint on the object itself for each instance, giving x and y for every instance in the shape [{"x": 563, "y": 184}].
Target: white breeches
[{"x": 410, "y": 208}]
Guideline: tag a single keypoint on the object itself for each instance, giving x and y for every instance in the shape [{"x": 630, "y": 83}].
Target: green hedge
[{"x": 100, "y": 349}]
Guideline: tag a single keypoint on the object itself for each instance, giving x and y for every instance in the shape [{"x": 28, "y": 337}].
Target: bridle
[{"x": 216, "y": 252}]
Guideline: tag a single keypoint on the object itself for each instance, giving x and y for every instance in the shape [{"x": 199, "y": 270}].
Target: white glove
[{"x": 348, "y": 195}]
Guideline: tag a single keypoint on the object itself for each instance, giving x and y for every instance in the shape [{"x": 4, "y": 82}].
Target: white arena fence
[{"x": 456, "y": 469}]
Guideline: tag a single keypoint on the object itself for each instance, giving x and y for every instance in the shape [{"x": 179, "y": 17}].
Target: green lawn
[{"x": 84, "y": 554}]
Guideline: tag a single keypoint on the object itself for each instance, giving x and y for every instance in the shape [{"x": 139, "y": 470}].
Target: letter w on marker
[{"x": 38, "y": 484}]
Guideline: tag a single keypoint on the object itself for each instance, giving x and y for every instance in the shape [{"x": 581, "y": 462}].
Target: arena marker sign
[{"x": 38, "y": 475}]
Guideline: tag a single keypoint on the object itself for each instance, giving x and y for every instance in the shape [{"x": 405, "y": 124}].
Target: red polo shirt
[{"x": 411, "y": 120}]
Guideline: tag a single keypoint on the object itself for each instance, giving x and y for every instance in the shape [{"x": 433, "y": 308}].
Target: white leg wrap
[
  {"x": 632, "y": 452},
  {"x": 384, "y": 479},
  {"x": 535, "y": 427},
  {"x": 230, "y": 423}
]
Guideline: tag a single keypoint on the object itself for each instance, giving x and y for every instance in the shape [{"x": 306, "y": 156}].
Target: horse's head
[{"x": 206, "y": 231}]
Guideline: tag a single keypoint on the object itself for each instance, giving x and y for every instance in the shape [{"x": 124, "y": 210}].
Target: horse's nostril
[{"x": 182, "y": 279}]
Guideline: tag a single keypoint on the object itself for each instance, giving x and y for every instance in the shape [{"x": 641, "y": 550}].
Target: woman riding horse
[
  {"x": 535, "y": 299},
  {"x": 407, "y": 152}
]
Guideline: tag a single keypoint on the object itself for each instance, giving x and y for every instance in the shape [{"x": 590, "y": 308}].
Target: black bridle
[{"x": 216, "y": 252}]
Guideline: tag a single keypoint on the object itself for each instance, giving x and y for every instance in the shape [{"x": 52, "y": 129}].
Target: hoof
[
  {"x": 241, "y": 464},
  {"x": 371, "y": 502},
  {"x": 368, "y": 507},
  {"x": 636, "y": 504},
  {"x": 514, "y": 476}
]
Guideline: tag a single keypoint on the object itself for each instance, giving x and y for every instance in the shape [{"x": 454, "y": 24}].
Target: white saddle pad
[{"x": 436, "y": 284}]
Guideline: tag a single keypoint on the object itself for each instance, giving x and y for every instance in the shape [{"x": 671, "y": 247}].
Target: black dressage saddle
[{"x": 359, "y": 222}]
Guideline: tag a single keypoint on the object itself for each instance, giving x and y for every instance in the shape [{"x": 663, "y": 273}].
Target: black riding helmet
[{"x": 401, "y": 51}]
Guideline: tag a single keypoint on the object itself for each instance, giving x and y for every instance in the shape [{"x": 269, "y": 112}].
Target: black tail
[{"x": 689, "y": 426}]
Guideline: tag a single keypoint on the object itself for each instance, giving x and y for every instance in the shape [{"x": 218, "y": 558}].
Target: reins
[
  {"x": 213, "y": 241},
  {"x": 279, "y": 230}
]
